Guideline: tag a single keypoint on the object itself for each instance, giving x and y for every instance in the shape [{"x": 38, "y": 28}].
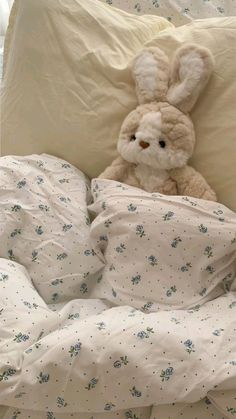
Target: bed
[{"x": 108, "y": 308}]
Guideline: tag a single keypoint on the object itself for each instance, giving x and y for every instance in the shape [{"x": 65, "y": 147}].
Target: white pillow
[
  {"x": 161, "y": 252},
  {"x": 44, "y": 224}
]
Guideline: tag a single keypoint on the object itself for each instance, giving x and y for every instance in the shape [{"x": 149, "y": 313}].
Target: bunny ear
[
  {"x": 191, "y": 70},
  {"x": 151, "y": 75}
]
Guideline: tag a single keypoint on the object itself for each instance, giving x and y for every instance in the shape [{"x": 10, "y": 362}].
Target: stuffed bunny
[{"x": 157, "y": 138}]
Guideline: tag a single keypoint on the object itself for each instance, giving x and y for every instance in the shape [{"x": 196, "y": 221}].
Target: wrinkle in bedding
[{"x": 85, "y": 356}]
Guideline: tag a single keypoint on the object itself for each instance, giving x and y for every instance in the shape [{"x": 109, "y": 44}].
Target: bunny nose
[{"x": 144, "y": 144}]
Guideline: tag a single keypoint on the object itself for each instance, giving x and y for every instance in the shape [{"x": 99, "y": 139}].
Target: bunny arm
[
  {"x": 192, "y": 183},
  {"x": 121, "y": 171},
  {"x": 116, "y": 171}
]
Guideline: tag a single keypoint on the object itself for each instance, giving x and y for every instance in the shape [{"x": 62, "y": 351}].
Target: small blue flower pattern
[{"x": 103, "y": 327}]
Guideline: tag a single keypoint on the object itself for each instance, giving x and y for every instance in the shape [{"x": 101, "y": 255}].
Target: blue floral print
[
  {"x": 231, "y": 410},
  {"x": 132, "y": 208},
  {"x": 185, "y": 268},
  {"x": 208, "y": 251},
  {"x": 3, "y": 277},
  {"x": 83, "y": 288},
  {"x": 171, "y": 291},
  {"x": 140, "y": 230},
  {"x": 202, "y": 228},
  {"x": 121, "y": 248},
  {"x": 101, "y": 325},
  {"x": 57, "y": 282},
  {"x": 55, "y": 296},
  {"x": 45, "y": 208},
  {"x": 152, "y": 260},
  {"x": 122, "y": 361},
  {"x": 210, "y": 269},
  {"x": 73, "y": 316},
  {"x": 7, "y": 373},
  {"x": 108, "y": 223},
  {"x": 16, "y": 414},
  {"x": 30, "y": 305},
  {"x": 11, "y": 255},
  {"x": 21, "y": 184},
  {"x": 103, "y": 238},
  {"x": 92, "y": 383},
  {"x": 217, "y": 332},
  {"x": 130, "y": 415},
  {"x": 134, "y": 392},
  {"x": 62, "y": 256},
  {"x": 203, "y": 292},
  {"x": 63, "y": 180},
  {"x": 39, "y": 230},
  {"x": 66, "y": 227},
  {"x": 147, "y": 306},
  {"x": 109, "y": 406},
  {"x": 145, "y": 334},
  {"x": 16, "y": 208},
  {"x": 166, "y": 374},
  {"x": 21, "y": 337},
  {"x": 168, "y": 216},
  {"x": 114, "y": 293},
  {"x": 16, "y": 232},
  {"x": 136, "y": 279},
  {"x": 43, "y": 378},
  {"x": 39, "y": 180},
  {"x": 34, "y": 255},
  {"x": 89, "y": 252},
  {"x": 189, "y": 346},
  {"x": 176, "y": 241},
  {"x": 61, "y": 402},
  {"x": 75, "y": 349}
]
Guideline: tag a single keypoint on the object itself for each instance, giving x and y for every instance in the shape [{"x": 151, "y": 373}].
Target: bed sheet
[{"x": 179, "y": 12}]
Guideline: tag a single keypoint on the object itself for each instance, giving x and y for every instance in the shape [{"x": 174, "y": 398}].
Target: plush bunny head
[{"x": 159, "y": 132}]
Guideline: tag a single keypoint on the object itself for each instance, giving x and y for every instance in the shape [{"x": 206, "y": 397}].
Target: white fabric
[
  {"x": 44, "y": 224},
  {"x": 161, "y": 252},
  {"x": 87, "y": 357}
]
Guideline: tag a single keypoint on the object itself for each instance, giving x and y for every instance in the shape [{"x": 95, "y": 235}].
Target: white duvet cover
[{"x": 74, "y": 339}]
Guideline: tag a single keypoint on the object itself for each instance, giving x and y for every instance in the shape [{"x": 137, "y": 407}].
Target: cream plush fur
[{"x": 157, "y": 138}]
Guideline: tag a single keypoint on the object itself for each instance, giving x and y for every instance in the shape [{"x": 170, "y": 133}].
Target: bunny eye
[
  {"x": 133, "y": 138},
  {"x": 162, "y": 143}
]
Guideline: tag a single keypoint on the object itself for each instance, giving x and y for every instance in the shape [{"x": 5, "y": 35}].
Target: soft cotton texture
[
  {"x": 44, "y": 224},
  {"x": 85, "y": 356},
  {"x": 161, "y": 252},
  {"x": 105, "y": 352}
]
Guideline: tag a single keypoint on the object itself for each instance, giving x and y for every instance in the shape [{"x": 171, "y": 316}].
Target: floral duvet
[{"x": 132, "y": 316}]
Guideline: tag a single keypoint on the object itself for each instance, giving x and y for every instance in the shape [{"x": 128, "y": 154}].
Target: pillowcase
[
  {"x": 161, "y": 252},
  {"x": 214, "y": 114},
  {"x": 44, "y": 225},
  {"x": 69, "y": 61}
]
